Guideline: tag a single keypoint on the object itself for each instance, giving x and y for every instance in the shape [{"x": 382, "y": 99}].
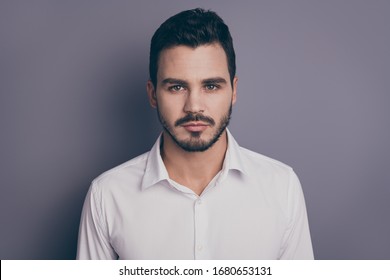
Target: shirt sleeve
[
  {"x": 94, "y": 242},
  {"x": 297, "y": 241}
]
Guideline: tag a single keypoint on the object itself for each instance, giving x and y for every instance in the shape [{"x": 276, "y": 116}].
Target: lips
[{"x": 195, "y": 126}]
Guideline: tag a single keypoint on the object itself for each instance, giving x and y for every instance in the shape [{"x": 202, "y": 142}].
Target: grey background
[{"x": 314, "y": 81}]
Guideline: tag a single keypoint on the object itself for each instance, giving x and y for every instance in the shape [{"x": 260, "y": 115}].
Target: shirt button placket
[{"x": 201, "y": 222}]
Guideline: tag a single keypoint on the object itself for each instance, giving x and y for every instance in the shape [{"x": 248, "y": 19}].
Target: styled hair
[{"x": 191, "y": 28}]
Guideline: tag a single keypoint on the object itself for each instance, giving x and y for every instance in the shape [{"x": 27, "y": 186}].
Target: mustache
[{"x": 195, "y": 118}]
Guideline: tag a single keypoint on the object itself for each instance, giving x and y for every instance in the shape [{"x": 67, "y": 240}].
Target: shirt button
[
  {"x": 199, "y": 201},
  {"x": 199, "y": 247}
]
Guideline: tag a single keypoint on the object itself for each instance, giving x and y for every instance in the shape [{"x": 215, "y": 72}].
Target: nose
[{"x": 194, "y": 102}]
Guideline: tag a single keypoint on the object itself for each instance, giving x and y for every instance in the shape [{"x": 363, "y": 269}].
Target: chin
[{"x": 197, "y": 142}]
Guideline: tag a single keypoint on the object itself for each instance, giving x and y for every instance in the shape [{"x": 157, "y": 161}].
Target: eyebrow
[
  {"x": 174, "y": 81},
  {"x": 214, "y": 80}
]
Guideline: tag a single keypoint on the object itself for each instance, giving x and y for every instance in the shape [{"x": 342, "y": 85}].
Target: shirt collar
[
  {"x": 155, "y": 170},
  {"x": 233, "y": 158}
]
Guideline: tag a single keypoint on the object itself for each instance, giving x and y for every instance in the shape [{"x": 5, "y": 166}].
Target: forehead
[{"x": 185, "y": 62}]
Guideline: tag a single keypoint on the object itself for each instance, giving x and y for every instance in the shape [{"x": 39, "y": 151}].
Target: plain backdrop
[{"x": 313, "y": 92}]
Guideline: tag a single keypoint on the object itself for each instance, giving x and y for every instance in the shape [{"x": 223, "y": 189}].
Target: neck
[{"x": 194, "y": 170}]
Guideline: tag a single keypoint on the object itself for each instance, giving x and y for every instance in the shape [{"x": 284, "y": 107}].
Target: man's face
[{"x": 193, "y": 95}]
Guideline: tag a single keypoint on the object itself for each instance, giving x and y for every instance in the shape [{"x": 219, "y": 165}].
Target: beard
[{"x": 195, "y": 143}]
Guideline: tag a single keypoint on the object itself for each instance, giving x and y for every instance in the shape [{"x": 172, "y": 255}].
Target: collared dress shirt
[{"x": 252, "y": 209}]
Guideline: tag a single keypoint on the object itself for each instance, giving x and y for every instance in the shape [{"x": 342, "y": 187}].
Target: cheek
[
  {"x": 219, "y": 106},
  {"x": 170, "y": 109}
]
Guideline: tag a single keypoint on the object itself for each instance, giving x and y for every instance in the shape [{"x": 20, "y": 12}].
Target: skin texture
[{"x": 193, "y": 96}]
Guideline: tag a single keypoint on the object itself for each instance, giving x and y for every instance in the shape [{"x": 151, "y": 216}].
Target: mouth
[{"x": 195, "y": 126}]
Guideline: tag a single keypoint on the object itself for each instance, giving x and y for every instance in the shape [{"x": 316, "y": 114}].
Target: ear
[
  {"x": 151, "y": 94},
  {"x": 234, "y": 96}
]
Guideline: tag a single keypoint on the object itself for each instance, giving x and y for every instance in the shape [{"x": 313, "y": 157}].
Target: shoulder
[
  {"x": 256, "y": 162},
  {"x": 276, "y": 180},
  {"x": 131, "y": 171},
  {"x": 268, "y": 174}
]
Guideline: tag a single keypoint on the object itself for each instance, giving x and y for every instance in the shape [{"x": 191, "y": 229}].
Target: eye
[
  {"x": 176, "y": 88},
  {"x": 211, "y": 87}
]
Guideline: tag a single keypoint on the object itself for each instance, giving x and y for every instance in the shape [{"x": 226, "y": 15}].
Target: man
[{"x": 196, "y": 194}]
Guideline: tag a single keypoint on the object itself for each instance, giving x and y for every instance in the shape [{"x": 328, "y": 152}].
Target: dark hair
[{"x": 191, "y": 28}]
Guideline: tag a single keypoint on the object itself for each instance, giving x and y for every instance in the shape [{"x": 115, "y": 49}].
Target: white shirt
[{"x": 253, "y": 209}]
